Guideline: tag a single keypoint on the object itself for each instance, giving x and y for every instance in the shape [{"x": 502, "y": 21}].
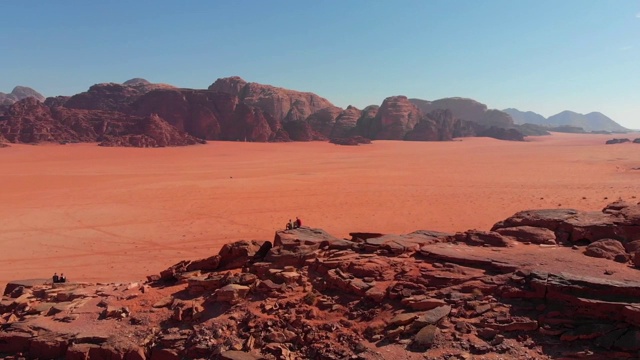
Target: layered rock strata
[{"x": 525, "y": 290}]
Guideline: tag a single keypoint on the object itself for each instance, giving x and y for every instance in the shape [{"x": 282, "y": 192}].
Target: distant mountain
[
  {"x": 19, "y": 93},
  {"x": 466, "y": 109},
  {"x": 526, "y": 117},
  {"x": 593, "y": 121}
]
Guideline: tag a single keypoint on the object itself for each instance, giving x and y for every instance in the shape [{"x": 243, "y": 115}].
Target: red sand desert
[{"x": 105, "y": 214}]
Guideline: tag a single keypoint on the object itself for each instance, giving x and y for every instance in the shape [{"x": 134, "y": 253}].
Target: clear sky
[{"x": 540, "y": 55}]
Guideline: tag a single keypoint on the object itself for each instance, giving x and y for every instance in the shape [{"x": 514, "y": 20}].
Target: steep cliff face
[
  {"x": 440, "y": 125},
  {"x": 323, "y": 121},
  {"x": 283, "y": 104},
  {"x": 346, "y": 123},
  {"x": 208, "y": 114},
  {"x": 395, "y": 118},
  {"x": 364, "y": 124},
  {"x": 151, "y": 131}
]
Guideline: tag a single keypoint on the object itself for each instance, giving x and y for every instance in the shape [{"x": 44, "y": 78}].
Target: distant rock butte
[
  {"x": 467, "y": 109},
  {"x": 568, "y": 121},
  {"x": 18, "y": 93},
  {"x": 542, "y": 284},
  {"x": 283, "y": 104}
]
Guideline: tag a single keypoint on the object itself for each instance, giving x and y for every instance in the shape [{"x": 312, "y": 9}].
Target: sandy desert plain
[{"x": 116, "y": 214}]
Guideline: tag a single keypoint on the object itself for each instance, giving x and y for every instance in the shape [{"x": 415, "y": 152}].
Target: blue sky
[{"x": 544, "y": 55}]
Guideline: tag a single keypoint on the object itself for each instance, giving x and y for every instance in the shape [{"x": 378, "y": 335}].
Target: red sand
[{"x": 101, "y": 214}]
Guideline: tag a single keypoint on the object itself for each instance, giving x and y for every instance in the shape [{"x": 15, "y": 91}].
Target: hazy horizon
[{"x": 542, "y": 56}]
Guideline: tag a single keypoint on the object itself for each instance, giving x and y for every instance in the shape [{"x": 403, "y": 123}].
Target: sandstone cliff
[{"x": 283, "y": 104}]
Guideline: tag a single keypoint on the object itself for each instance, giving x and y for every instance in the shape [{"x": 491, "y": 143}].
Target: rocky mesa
[{"x": 542, "y": 284}]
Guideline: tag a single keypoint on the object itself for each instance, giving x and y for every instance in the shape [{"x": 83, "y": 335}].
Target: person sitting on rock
[
  {"x": 298, "y": 222},
  {"x": 290, "y": 225},
  {"x": 56, "y": 278},
  {"x": 62, "y": 279}
]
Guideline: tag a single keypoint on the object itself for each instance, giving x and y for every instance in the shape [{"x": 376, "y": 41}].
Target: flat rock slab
[
  {"x": 557, "y": 260},
  {"x": 27, "y": 283}
]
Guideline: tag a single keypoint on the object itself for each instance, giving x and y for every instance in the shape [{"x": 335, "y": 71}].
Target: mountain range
[
  {"x": 593, "y": 121},
  {"x": 140, "y": 113}
]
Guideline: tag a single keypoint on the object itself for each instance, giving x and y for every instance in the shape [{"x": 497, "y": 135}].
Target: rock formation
[
  {"x": 18, "y": 93},
  {"x": 209, "y": 115},
  {"x": 618, "y": 141},
  {"x": 394, "y": 119},
  {"x": 523, "y": 290},
  {"x": 113, "y": 96},
  {"x": 467, "y": 109},
  {"x": 30, "y": 121},
  {"x": 283, "y": 104},
  {"x": 235, "y": 110}
]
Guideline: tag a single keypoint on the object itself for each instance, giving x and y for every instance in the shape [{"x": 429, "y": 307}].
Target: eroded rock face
[
  {"x": 209, "y": 115},
  {"x": 151, "y": 131},
  {"x": 394, "y": 119},
  {"x": 283, "y": 104}
]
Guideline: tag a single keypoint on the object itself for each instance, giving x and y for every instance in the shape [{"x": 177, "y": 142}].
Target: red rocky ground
[{"x": 544, "y": 284}]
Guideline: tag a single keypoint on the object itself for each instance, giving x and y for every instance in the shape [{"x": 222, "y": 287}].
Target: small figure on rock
[
  {"x": 62, "y": 279},
  {"x": 298, "y": 222},
  {"x": 289, "y": 225},
  {"x": 56, "y": 278}
]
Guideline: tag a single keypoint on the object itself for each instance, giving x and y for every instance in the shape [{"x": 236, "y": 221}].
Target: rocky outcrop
[
  {"x": 209, "y": 115},
  {"x": 501, "y": 133},
  {"x": 345, "y": 123},
  {"x": 617, "y": 141},
  {"x": 510, "y": 293},
  {"x": 351, "y": 140},
  {"x": 30, "y": 121},
  {"x": 440, "y": 125},
  {"x": 467, "y": 109},
  {"x": 18, "y": 93},
  {"x": 151, "y": 131},
  {"x": 283, "y": 104},
  {"x": 323, "y": 121},
  {"x": 113, "y": 96},
  {"x": 394, "y": 119}
]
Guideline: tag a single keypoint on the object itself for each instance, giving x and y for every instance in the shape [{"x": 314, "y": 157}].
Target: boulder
[
  {"x": 606, "y": 249},
  {"x": 231, "y": 293},
  {"x": 426, "y": 337},
  {"x": 238, "y": 254}
]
